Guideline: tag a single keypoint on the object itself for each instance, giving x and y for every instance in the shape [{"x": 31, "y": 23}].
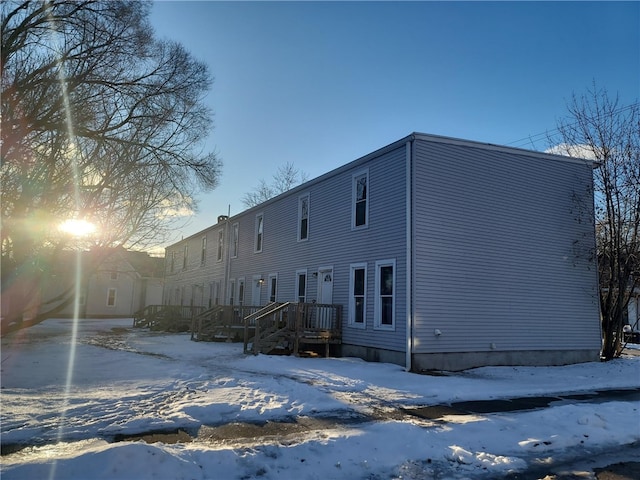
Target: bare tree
[
  {"x": 286, "y": 177},
  {"x": 600, "y": 128},
  {"x": 101, "y": 121}
]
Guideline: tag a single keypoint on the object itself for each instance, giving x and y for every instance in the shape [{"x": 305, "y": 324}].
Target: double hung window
[
  {"x": 220, "y": 244},
  {"x": 384, "y": 312},
  {"x": 234, "y": 240},
  {"x": 259, "y": 232},
  {"x": 303, "y": 217},
  {"x": 360, "y": 199},
  {"x": 357, "y": 300}
]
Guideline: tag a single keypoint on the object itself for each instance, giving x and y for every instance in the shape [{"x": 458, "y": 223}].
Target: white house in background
[
  {"x": 123, "y": 283},
  {"x": 444, "y": 253}
]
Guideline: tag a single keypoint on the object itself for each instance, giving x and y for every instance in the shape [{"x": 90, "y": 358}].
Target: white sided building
[{"x": 444, "y": 254}]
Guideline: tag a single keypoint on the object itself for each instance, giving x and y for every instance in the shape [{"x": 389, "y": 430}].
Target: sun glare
[{"x": 77, "y": 227}]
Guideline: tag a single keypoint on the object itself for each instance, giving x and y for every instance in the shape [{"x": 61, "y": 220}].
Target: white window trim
[
  {"x": 377, "y": 311},
  {"x": 300, "y": 198},
  {"x": 220, "y": 246},
  {"x": 232, "y": 291},
  {"x": 271, "y": 277},
  {"x": 185, "y": 256},
  {"x": 255, "y": 236},
  {"x": 241, "y": 282},
  {"x": 354, "y": 191},
  {"x": 235, "y": 240},
  {"x": 352, "y": 304},
  {"x": 203, "y": 250},
  {"x": 302, "y": 271},
  {"x": 115, "y": 297}
]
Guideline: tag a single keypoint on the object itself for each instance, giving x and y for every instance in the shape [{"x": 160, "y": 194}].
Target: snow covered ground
[{"x": 338, "y": 418}]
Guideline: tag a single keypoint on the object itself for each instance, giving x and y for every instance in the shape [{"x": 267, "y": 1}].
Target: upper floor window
[
  {"x": 259, "y": 232},
  {"x": 203, "y": 251},
  {"x": 360, "y": 206},
  {"x": 173, "y": 261},
  {"x": 234, "y": 240},
  {"x": 357, "y": 298},
  {"x": 184, "y": 258},
  {"x": 114, "y": 275},
  {"x": 303, "y": 217},
  {"x": 220, "y": 244},
  {"x": 384, "y": 312}
]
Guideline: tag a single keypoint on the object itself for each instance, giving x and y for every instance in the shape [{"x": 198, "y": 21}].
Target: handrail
[
  {"x": 268, "y": 306},
  {"x": 275, "y": 310}
]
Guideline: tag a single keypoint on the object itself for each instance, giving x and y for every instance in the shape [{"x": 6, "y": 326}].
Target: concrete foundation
[
  {"x": 371, "y": 354},
  {"x": 422, "y": 362}
]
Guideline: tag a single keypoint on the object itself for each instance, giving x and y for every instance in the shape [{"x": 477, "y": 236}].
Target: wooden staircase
[
  {"x": 221, "y": 323},
  {"x": 281, "y": 328}
]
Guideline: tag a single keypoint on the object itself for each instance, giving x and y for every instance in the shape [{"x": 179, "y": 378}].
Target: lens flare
[{"x": 77, "y": 227}]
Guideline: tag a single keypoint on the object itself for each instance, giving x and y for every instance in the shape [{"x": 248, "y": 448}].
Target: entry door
[
  {"x": 325, "y": 296},
  {"x": 255, "y": 291},
  {"x": 326, "y": 286}
]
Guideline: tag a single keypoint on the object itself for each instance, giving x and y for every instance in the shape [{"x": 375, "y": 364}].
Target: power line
[{"x": 538, "y": 136}]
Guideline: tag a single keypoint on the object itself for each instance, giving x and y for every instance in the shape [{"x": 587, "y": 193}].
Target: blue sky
[{"x": 319, "y": 84}]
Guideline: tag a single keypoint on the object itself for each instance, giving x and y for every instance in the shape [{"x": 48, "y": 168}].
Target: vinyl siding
[
  {"x": 503, "y": 247},
  {"x": 331, "y": 242}
]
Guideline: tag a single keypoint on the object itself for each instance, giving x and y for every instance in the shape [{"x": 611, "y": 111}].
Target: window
[
  {"x": 184, "y": 258},
  {"x": 173, "y": 261},
  {"x": 220, "y": 244},
  {"x": 360, "y": 208},
  {"x": 111, "y": 297},
  {"x": 303, "y": 217},
  {"x": 384, "y": 313},
  {"x": 259, "y": 232},
  {"x": 241, "y": 291},
  {"x": 203, "y": 251},
  {"x": 232, "y": 291},
  {"x": 301, "y": 286},
  {"x": 215, "y": 293},
  {"x": 357, "y": 299},
  {"x": 234, "y": 240},
  {"x": 273, "y": 287},
  {"x": 114, "y": 274}
]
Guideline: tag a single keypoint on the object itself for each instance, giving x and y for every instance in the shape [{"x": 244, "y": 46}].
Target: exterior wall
[
  {"x": 99, "y": 284},
  {"x": 501, "y": 249},
  {"x": 503, "y": 258},
  {"x": 131, "y": 291},
  {"x": 332, "y": 242},
  {"x": 189, "y": 282}
]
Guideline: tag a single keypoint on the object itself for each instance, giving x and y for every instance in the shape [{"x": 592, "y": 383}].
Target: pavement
[{"x": 436, "y": 412}]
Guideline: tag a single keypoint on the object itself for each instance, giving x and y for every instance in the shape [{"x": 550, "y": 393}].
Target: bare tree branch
[
  {"x": 598, "y": 127},
  {"x": 100, "y": 120}
]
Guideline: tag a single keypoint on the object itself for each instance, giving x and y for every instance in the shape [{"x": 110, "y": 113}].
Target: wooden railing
[
  {"x": 222, "y": 322},
  {"x": 289, "y": 325},
  {"x": 252, "y": 323},
  {"x": 283, "y": 326},
  {"x": 168, "y": 318}
]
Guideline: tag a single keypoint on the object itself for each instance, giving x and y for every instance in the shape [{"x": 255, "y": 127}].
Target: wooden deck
[{"x": 283, "y": 328}]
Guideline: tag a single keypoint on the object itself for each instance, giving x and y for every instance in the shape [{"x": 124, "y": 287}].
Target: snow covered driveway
[{"x": 327, "y": 418}]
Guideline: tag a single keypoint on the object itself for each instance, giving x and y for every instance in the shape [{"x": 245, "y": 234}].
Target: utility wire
[{"x": 538, "y": 136}]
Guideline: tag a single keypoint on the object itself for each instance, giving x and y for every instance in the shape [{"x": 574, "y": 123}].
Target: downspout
[
  {"x": 409, "y": 254},
  {"x": 227, "y": 263}
]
